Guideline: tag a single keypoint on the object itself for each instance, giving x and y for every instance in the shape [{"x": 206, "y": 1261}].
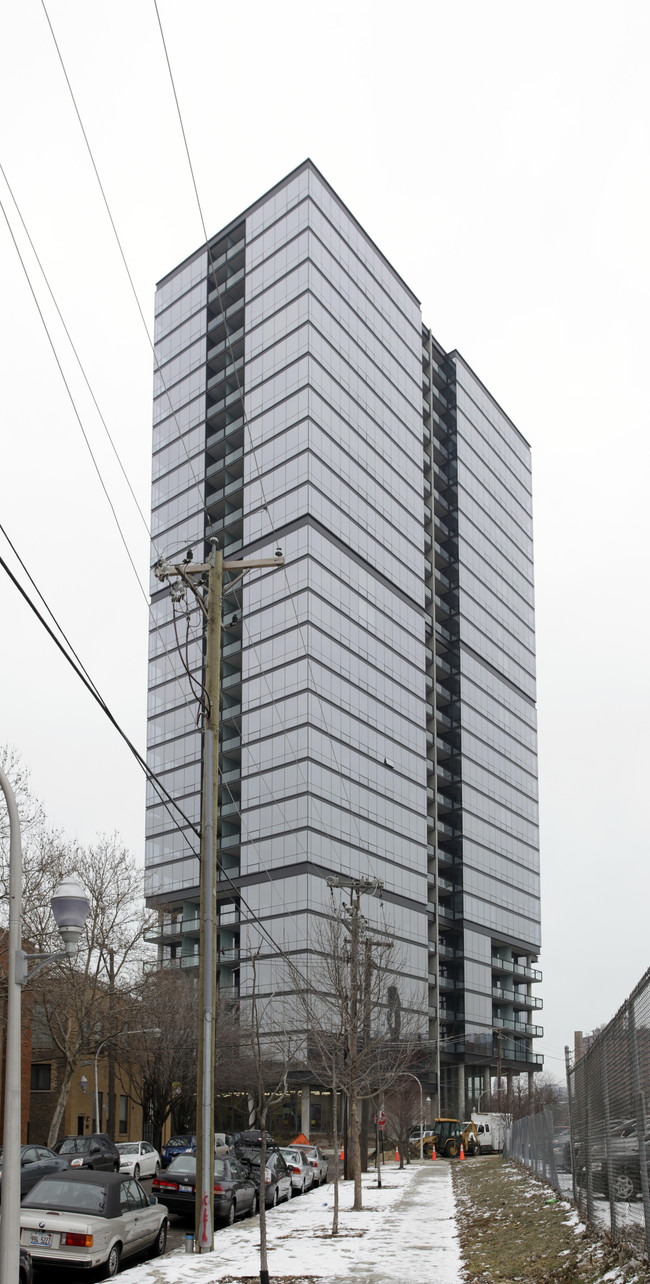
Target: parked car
[
  {"x": 277, "y": 1178},
  {"x": 251, "y": 1137},
  {"x": 621, "y": 1149},
  {"x": 25, "y": 1270},
  {"x": 139, "y": 1159},
  {"x": 235, "y": 1194},
  {"x": 35, "y": 1162},
  {"x": 83, "y": 1220},
  {"x": 562, "y": 1150},
  {"x": 95, "y": 1151},
  {"x": 222, "y": 1144},
  {"x": 181, "y": 1144},
  {"x": 318, "y": 1163},
  {"x": 302, "y": 1173}
]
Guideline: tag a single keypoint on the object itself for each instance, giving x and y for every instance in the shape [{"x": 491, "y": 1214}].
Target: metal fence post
[
  {"x": 608, "y": 1140},
  {"x": 572, "y": 1121},
  {"x": 640, "y": 1122}
]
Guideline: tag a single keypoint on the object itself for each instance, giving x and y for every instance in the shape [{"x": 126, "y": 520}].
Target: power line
[
  {"x": 196, "y": 482},
  {"x": 76, "y": 354},
  {"x": 90, "y": 686}
]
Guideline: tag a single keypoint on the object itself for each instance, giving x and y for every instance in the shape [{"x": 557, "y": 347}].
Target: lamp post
[
  {"x": 150, "y": 1030},
  {"x": 69, "y": 906},
  {"x": 428, "y": 1105},
  {"x": 408, "y": 1074}
]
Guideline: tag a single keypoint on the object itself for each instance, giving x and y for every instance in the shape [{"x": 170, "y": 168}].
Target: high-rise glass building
[{"x": 378, "y": 694}]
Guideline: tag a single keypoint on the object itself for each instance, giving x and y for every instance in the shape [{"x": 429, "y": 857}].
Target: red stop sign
[{"x": 380, "y": 1119}]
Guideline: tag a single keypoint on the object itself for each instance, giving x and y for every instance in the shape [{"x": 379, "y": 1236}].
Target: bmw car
[{"x": 83, "y": 1220}]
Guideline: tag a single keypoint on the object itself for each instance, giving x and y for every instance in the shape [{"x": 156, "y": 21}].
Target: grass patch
[{"x": 510, "y": 1233}]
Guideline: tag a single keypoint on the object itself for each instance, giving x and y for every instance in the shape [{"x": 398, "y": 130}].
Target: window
[
  {"x": 41, "y": 1078},
  {"x": 124, "y": 1116}
]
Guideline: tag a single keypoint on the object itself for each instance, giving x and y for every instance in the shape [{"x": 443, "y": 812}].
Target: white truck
[{"x": 491, "y": 1129}]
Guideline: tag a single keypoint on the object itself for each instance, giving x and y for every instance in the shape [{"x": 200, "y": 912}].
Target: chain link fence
[
  {"x": 531, "y": 1141},
  {"x": 604, "y": 1159}
]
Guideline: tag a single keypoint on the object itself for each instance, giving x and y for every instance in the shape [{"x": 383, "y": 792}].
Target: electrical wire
[
  {"x": 90, "y": 686},
  {"x": 76, "y": 354},
  {"x": 197, "y": 483}
]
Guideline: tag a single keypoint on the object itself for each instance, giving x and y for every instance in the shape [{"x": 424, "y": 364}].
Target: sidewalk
[{"x": 405, "y": 1232}]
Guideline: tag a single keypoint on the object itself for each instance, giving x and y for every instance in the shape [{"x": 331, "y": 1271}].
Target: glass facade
[
  {"x": 484, "y": 857},
  {"x": 378, "y": 693}
]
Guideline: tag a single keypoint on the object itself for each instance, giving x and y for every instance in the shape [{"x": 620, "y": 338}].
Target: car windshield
[
  {"x": 183, "y": 1164},
  {"x": 252, "y": 1156},
  {"x": 128, "y": 1148},
  {"x": 185, "y": 1142},
  {"x": 74, "y": 1146},
  {"x": 71, "y": 1196},
  {"x": 295, "y": 1156}
]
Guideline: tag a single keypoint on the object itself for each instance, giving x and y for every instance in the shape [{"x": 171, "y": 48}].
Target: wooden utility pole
[{"x": 192, "y": 575}]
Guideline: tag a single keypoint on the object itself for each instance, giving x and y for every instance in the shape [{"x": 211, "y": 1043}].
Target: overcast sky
[{"x": 498, "y": 155}]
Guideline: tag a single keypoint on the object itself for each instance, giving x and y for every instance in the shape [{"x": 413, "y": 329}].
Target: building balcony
[
  {"x": 503, "y": 996},
  {"x": 229, "y": 312},
  {"x": 516, "y": 1027},
  {"x": 227, "y": 344},
  {"x": 531, "y": 973},
  {"x": 501, "y": 965}
]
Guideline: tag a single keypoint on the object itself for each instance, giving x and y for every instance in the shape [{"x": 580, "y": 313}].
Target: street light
[
  {"x": 70, "y": 907},
  {"x": 121, "y": 1033},
  {"x": 414, "y": 1076}
]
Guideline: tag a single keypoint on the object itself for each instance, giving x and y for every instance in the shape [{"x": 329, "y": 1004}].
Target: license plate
[
  {"x": 40, "y": 1240},
  {"x": 187, "y": 1190}
]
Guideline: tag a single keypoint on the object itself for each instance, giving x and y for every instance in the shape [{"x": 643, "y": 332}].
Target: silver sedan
[{"x": 302, "y": 1173}]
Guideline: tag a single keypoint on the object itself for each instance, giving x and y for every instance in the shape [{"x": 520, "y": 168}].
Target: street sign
[{"x": 380, "y": 1119}]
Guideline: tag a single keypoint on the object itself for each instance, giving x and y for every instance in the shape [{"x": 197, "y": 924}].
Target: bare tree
[
  {"x": 271, "y": 1053},
  {"x": 403, "y": 1110},
  {"x": 360, "y": 1037},
  {"x": 161, "y": 1068},
  {"x": 76, "y": 1000}
]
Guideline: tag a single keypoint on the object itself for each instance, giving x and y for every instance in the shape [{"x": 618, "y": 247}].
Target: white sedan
[
  {"x": 138, "y": 1159},
  {"x": 84, "y": 1219}
]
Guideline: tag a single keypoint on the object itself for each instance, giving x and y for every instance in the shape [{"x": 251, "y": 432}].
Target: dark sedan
[
  {"x": 277, "y": 1178},
  {"x": 235, "y": 1194},
  {"x": 35, "y": 1162},
  {"x": 96, "y": 1152}
]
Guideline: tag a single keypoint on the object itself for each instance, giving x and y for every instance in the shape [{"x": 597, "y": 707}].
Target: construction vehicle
[{"x": 448, "y": 1135}]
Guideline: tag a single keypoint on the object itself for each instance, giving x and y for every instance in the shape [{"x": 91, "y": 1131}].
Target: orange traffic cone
[
  {"x": 342, "y": 1155},
  {"x": 396, "y": 1155},
  {"x": 462, "y": 1152},
  {"x": 433, "y": 1152}
]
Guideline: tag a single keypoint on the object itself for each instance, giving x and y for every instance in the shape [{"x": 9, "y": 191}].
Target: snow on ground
[{"x": 406, "y": 1231}]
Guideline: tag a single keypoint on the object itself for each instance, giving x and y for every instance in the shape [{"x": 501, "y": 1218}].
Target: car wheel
[
  {"x": 156, "y": 1170},
  {"x": 136, "y": 1172},
  {"x": 116, "y": 1165},
  {"x": 274, "y": 1202},
  {"x": 230, "y": 1215},
  {"x": 303, "y": 1186},
  {"x": 160, "y": 1242},
  {"x": 253, "y": 1208},
  {"x": 112, "y": 1263},
  {"x": 623, "y": 1186}
]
